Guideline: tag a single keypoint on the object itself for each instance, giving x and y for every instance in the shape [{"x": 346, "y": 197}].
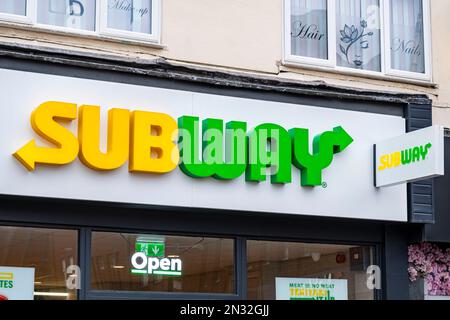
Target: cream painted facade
[{"x": 243, "y": 36}]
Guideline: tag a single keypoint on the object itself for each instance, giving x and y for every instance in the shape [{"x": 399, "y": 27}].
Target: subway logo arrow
[
  {"x": 30, "y": 154},
  {"x": 341, "y": 139},
  {"x": 155, "y": 143},
  {"x": 43, "y": 124}
]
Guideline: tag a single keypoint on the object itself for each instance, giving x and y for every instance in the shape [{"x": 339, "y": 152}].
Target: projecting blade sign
[{"x": 414, "y": 156}]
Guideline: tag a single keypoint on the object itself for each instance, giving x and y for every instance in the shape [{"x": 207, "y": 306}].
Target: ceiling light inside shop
[
  {"x": 315, "y": 256},
  {"x": 52, "y": 294}
]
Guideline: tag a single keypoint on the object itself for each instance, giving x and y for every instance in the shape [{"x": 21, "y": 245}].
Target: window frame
[
  {"x": 105, "y": 30},
  {"x": 94, "y": 294},
  {"x": 331, "y": 36},
  {"x": 52, "y": 27},
  {"x": 60, "y": 227},
  {"x": 100, "y": 30},
  {"x": 376, "y": 249},
  {"x": 330, "y": 64},
  {"x": 427, "y": 45},
  {"x": 382, "y": 45}
]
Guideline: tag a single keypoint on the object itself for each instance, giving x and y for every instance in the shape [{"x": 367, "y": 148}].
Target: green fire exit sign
[{"x": 151, "y": 249}]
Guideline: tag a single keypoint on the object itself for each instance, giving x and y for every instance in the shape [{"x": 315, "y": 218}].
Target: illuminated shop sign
[
  {"x": 186, "y": 149},
  {"x": 156, "y": 143},
  {"x": 410, "y": 157},
  {"x": 404, "y": 157},
  {"x": 156, "y": 249},
  {"x": 149, "y": 258}
]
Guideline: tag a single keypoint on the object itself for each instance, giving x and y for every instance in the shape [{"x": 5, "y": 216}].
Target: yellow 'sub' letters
[
  {"x": 389, "y": 161},
  {"x": 43, "y": 122},
  {"x": 384, "y": 162},
  {"x": 152, "y": 142},
  {"x": 145, "y": 138},
  {"x": 89, "y": 138}
]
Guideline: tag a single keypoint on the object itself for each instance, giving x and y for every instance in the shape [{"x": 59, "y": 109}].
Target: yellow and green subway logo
[
  {"x": 6, "y": 280},
  {"x": 404, "y": 157},
  {"x": 156, "y": 143}
]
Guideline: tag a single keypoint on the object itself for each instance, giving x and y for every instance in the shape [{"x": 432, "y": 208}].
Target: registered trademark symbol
[{"x": 324, "y": 185}]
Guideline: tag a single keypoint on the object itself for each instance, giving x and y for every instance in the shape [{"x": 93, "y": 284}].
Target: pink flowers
[{"x": 432, "y": 263}]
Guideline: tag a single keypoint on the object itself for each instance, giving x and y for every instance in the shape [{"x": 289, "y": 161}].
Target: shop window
[
  {"x": 15, "y": 10},
  {"x": 50, "y": 254},
  {"x": 309, "y": 28},
  {"x": 407, "y": 36},
  {"x": 358, "y": 34},
  {"x": 387, "y": 38},
  {"x": 155, "y": 263},
  {"x": 79, "y": 14},
  {"x": 137, "y": 20},
  {"x": 133, "y": 19},
  {"x": 301, "y": 271},
  {"x": 16, "y": 7}
]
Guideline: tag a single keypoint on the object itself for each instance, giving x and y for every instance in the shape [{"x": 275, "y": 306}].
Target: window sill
[
  {"x": 82, "y": 35},
  {"x": 357, "y": 74}
]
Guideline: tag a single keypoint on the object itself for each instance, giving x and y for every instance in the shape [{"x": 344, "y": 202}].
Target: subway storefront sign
[
  {"x": 225, "y": 155},
  {"x": 102, "y": 141},
  {"x": 414, "y": 156}
]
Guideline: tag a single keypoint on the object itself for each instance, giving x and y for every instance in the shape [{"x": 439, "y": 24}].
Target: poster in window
[{"x": 311, "y": 289}]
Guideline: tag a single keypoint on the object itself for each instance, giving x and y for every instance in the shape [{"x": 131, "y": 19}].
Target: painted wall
[
  {"x": 441, "y": 62},
  {"x": 245, "y": 36}
]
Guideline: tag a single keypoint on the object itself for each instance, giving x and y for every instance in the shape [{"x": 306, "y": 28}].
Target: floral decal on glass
[
  {"x": 432, "y": 263},
  {"x": 350, "y": 36}
]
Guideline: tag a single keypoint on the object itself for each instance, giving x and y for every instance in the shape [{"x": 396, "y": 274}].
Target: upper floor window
[
  {"x": 387, "y": 37},
  {"x": 407, "y": 36},
  {"x": 132, "y": 18},
  {"x": 358, "y": 34},
  {"x": 308, "y": 29},
  {"x": 15, "y": 7},
  {"x": 14, "y": 10},
  {"x": 127, "y": 19},
  {"x": 79, "y": 14}
]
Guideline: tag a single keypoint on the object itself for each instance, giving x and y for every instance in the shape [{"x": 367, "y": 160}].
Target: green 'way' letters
[{"x": 266, "y": 146}]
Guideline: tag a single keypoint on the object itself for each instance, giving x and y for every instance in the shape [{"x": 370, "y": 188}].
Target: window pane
[
  {"x": 171, "y": 264},
  {"x": 132, "y": 15},
  {"x": 18, "y": 7},
  {"x": 77, "y": 14},
  {"x": 50, "y": 252},
  {"x": 309, "y": 28},
  {"x": 303, "y": 264},
  {"x": 407, "y": 37},
  {"x": 358, "y": 34}
]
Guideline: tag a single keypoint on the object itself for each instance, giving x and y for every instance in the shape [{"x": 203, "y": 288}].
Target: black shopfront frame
[
  {"x": 390, "y": 240},
  {"x": 87, "y": 217}
]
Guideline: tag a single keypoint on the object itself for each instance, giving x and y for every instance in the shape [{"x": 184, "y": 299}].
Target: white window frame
[
  {"x": 330, "y": 64},
  {"x": 26, "y": 19},
  {"x": 382, "y": 55},
  {"x": 331, "y": 36},
  {"x": 101, "y": 30},
  {"x": 52, "y": 27},
  {"x": 153, "y": 37},
  {"x": 427, "y": 45}
]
